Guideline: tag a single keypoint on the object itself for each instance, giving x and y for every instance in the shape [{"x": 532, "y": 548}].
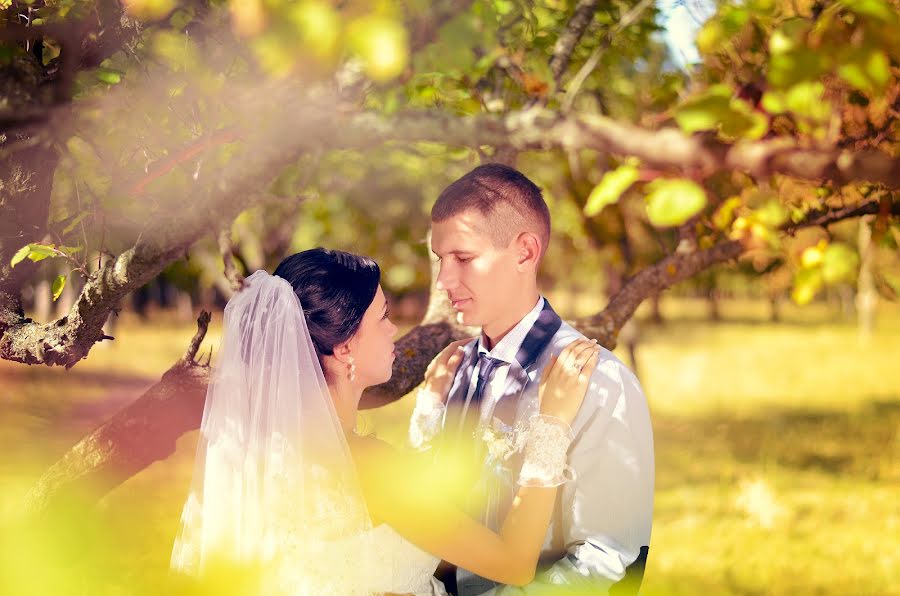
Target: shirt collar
[{"x": 507, "y": 348}]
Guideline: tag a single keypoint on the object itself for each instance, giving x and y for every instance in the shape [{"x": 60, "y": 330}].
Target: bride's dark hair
[{"x": 335, "y": 288}]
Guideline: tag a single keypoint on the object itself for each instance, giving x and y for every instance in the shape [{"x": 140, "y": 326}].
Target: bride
[{"x": 285, "y": 490}]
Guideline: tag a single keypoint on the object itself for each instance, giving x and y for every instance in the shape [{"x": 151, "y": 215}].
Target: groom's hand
[{"x": 440, "y": 373}]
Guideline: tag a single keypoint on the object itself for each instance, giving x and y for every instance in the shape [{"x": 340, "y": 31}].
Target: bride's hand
[
  {"x": 440, "y": 373},
  {"x": 565, "y": 380}
]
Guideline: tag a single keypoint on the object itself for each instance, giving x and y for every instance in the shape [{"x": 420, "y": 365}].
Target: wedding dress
[
  {"x": 408, "y": 569},
  {"x": 275, "y": 489}
]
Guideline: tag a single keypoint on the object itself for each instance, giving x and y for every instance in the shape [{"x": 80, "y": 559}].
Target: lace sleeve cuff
[
  {"x": 426, "y": 420},
  {"x": 545, "y": 448}
]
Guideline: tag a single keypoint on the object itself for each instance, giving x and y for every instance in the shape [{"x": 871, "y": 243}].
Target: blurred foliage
[{"x": 823, "y": 75}]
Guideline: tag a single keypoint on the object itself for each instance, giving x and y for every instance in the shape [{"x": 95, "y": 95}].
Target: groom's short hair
[{"x": 508, "y": 200}]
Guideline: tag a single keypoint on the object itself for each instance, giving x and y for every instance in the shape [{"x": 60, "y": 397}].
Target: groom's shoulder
[
  {"x": 607, "y": 365},
  {"x": 565, "y": 335}
]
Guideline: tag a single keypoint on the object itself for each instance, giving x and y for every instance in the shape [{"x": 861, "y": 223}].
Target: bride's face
[{"x": 373, "y": 344}]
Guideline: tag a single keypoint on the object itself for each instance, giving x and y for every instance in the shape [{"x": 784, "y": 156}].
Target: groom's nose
[{"x": 445, "y": 281}]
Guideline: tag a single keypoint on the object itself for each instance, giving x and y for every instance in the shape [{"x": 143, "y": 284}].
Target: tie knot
[{"x": 486, "y": 366}]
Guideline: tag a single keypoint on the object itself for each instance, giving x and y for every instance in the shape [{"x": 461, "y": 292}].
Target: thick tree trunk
[{"x": 25, "y": 184}]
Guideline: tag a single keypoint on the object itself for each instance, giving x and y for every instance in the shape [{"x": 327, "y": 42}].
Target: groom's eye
[{"x": 387, "y": 313}]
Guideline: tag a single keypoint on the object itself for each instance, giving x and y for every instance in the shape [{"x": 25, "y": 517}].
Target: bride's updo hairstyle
[{"x": 335, "y": 289}]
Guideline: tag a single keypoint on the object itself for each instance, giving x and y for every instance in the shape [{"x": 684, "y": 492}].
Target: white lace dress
[{"x": 406, "y": 569}]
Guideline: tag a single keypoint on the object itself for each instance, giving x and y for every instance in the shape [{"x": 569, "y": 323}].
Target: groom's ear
[{"x": 528, "y": 251}]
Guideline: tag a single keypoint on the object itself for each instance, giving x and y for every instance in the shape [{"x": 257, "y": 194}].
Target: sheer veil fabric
[{"x": 274, "y": 486}]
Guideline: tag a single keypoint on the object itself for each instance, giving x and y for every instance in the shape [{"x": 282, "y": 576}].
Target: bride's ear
[{"x": 342, "y": 352}]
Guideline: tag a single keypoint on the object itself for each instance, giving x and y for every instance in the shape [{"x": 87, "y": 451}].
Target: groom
[{"x": 490, "y": 230}]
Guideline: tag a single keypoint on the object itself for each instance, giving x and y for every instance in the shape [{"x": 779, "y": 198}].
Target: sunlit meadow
[{"x": 777, "y": 446}]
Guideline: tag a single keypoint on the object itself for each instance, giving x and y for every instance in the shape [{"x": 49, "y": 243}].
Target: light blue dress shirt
[{"x": 603, "y": 517}]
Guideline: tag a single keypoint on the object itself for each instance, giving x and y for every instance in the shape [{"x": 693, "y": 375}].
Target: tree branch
[
  {"x": 190, "y": 355},
  {"x": 565, "y": 45},
  {"x": 825, "y": 217},
  {"x": 235, "y": 279},
  {"x": 605, "y": 325},
  {"x": 668, "y": 148},
  {"x": 424, "y": 28},
  {"x": 138, "y": 435},
  {"x": 591, "y": 63}
]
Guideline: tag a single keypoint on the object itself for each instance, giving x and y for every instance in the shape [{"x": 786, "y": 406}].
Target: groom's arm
[{"x": 606, "y": 513}]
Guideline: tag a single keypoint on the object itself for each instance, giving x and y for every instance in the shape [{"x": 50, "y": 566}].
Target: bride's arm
[{"x": 411, "y": 499}]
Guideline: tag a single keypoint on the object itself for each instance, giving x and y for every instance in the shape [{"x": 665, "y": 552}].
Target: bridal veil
[{"x": 274, "y": 486}]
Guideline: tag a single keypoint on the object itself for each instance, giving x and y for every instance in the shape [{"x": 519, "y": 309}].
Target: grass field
[{"x": 777, "y": 451}]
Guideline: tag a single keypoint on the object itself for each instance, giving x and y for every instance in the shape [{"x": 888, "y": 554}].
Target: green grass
[{"x": 777, "y": 451}]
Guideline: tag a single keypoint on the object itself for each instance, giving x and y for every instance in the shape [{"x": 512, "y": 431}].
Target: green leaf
[
  {"x": 807, "y": 98},
  {"x": 724, "y": 215},
  {"x": 381, "y": 43},
  {"x": 744, "y": 121},
  {"x": 35, "y": 252},
  {"x": 182, "y": 17},
  {"x": 771, "y": 215},
  {"x": 75, "y": 222},
  {"x": 39, "y": 252},
  {"x": 733, "y": 19},
  {"x": 710, "y": 37},
  {"x": 58, "y": 285},
  {"x": 673, "y": 202},
  {"x": 69, "y": 250},
  {"x": 705, "y": 111},
  {"x": 803, "y": 64},
  {"x": 178, "y": 51},
  {"x": 719, "y": 109},
  {"x": 610, "y": 188},
  {"x": 110, "y": 76},
  {"x": 790, "y": 36},
  {"x": 774, "y": 102},
  {"x": 866, "y": 68},
  {"x": 150, "y": 10},
  {"x": 839, "y": 263},
  {"x": 318, "y": 25},
  {"x": 50, "y": 51},
  {"x": 876, "y": 9},
  {"x": 807, "y": 284},
  {"x": 63, "y": 200},
  {"x": 20, "y": 255}
]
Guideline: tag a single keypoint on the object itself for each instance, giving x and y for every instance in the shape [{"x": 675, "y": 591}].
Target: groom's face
[{"x": 478, "y": 276}]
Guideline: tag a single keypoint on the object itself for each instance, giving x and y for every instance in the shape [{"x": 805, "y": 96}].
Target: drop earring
[{"x": 351, "y": 369}]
